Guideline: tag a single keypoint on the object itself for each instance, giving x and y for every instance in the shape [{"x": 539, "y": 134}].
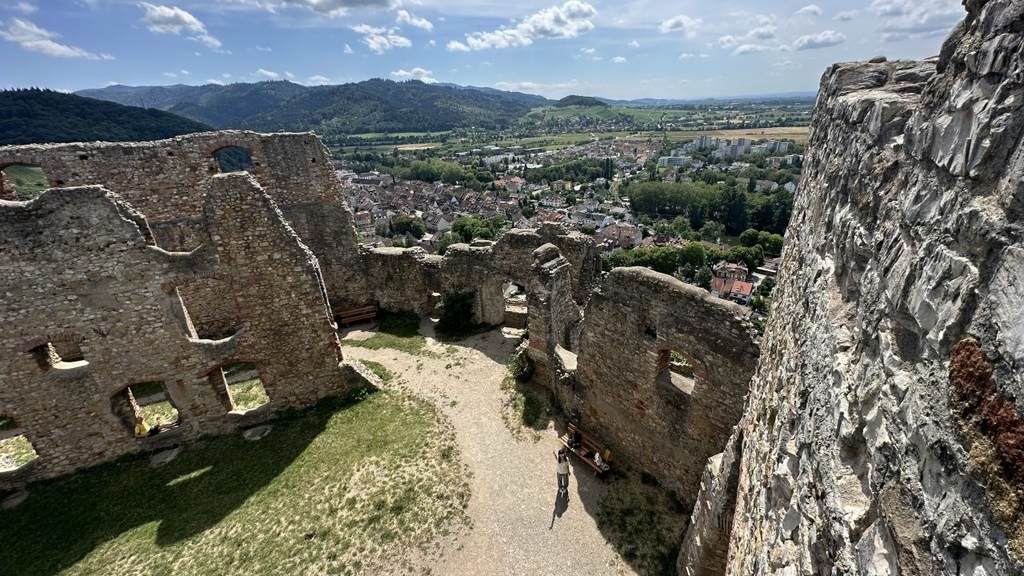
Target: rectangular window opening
[
  {"x": 15, "y": 449},
  {"x": 245, "y": 386}
]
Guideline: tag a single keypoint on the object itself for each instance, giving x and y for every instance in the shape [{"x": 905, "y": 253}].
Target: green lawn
[
  {"x": 337, "y": 489},
  {"x": 398, "y": 331}
]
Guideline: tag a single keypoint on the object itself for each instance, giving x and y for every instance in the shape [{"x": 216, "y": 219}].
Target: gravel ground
[{"x": 519, "y": 525}]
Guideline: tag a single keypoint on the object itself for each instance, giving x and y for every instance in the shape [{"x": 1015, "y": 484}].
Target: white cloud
[
  {"x": 263, "y": 48},
  {"x": 347, "y": 49},
  {"x": 750, "y": 49},
  {"x": 681, "y": 23},
  {"x": 185, "y": 72},
  {"x": 215, "y": 81},
  {"x": 289, "y": 75},
  {"x": 618, "y": 60},
  {"x": 566, "y": 21},
  {"x": 587, "y": 50},
  {"x": 267, "y": 74},
  {"x": 819, "y": 40},
  {"x": 174, "y": 20},
  {"x": 431, "y": 43},
  {"x": 633, "y": 44},
  {"x": 687, "y": 55},
  {"x": 783, "y": 64},
  {"x": 35, "y": 39},
  {"x": 906, "y": 19},
  {"x": 169, "y": 74},
  {"x": 766, "y": 32},
  {"x": 415, "y": 74},
  {"x": 846, "y": 16},
  {"x": 332, "y": 8},
  {"x": 405, "y": 18},
  {"x": 380, "y": 40},
  {"x": 809, "y": 10},
  {"x": 318, "y": 80},
  {"x": 25, "y": 8}
]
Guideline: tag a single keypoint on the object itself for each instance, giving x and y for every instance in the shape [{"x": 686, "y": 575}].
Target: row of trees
[
  {"x": 582, "y": 170},
  {"x": 700, "y": 202},
  {"x": 684, "y": 261}
]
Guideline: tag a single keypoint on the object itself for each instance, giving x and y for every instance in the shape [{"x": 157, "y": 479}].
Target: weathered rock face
[{"x": 883, "y": 431}]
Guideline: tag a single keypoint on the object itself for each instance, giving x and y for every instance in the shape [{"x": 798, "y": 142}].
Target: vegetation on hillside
[
  {"x": 574, "y": 100},
  {"x": 35, "y": 115}
]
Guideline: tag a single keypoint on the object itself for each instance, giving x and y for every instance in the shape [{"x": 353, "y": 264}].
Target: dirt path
[{"x": 519, "y": 526}]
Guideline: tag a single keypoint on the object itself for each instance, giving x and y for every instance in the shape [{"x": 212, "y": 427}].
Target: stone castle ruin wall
[
  {"x": 171, "y": 271},
  {"x": 612, "y": 364},
  {"x": 91, "y": 307}
]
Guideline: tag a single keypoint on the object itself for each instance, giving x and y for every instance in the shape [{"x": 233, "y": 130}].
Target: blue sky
[{"x": 608, "y": 48}]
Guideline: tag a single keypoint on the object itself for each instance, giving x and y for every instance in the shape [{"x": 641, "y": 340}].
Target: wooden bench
[
  {"x": 351, "y": 315},
  {"x": 586, "y": 450}
]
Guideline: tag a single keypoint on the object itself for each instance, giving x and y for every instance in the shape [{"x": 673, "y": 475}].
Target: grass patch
[
  {"x": 158, "y": 413},
  {"x": 248, "y": 394},
  {"x": 15, "y": 452},
  {"x": 379, "y": 369},
  {"x": 397, "y": 331},
  {"x": 644, "y": 523},
  {"x": 28, "y": 181},
  {"x": 354, "y": 489},
  {"x": 527, "y": 409}
]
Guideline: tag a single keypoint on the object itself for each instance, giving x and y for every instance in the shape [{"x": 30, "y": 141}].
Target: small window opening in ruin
[
  {"x": 15, "y": 449},
  {"x": 676, "y": 371},
  {"x": 22, "y": 181},
  {"x": 234, "y": 159},
  {"x": 515, "y": 298},
  {"x": 651, "y": 332},
  {"x": 149, "y": 400},
  {"x": 83, "y": 156},
  {"x": 244, "y": 386},
  {"x": 62, "y": 356}
]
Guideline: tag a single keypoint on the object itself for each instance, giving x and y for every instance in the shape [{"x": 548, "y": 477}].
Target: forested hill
[
  {"x": 388, "y": 106},
  {"x": 584, "y": 101},
  {"x": 213, "y": 104},
  {"x": 363, "y": 107},
  {"x": 29, "y": 116}
]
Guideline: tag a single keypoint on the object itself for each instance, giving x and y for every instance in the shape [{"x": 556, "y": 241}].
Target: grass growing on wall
[{"x": 338, "y": 489}]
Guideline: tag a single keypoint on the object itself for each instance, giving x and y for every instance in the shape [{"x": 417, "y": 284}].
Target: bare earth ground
[{"x": 519, "y": 526}]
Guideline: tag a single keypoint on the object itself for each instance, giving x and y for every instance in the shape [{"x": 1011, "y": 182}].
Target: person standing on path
[{"x": 562, "y": 470}]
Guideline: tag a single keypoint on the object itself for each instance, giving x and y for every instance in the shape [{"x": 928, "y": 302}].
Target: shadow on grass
[{"x": 64, "y": 520}]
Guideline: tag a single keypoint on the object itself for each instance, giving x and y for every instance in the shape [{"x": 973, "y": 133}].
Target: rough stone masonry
[{"x": 883, "y": 432}]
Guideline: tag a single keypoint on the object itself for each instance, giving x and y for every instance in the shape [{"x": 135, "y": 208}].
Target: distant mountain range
[
  {"x": 34, "y": 115},
  {"x": 370, "y": 106}
]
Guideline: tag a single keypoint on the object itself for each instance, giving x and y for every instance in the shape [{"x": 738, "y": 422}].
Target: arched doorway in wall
[
  {"x": 22, "y": 181},
  {"x": 239, "y": 386},
  {"x": 15, "y": 449},
  {"x": 234, "y": 159}
]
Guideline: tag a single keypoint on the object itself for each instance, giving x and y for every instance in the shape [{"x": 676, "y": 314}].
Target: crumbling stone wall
[
  {"x": 165, "y": 181},
  {"x": 80, "y": 275},
  {"x": 621, "y": 384},
  {"x": 408, "y": 278}
]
